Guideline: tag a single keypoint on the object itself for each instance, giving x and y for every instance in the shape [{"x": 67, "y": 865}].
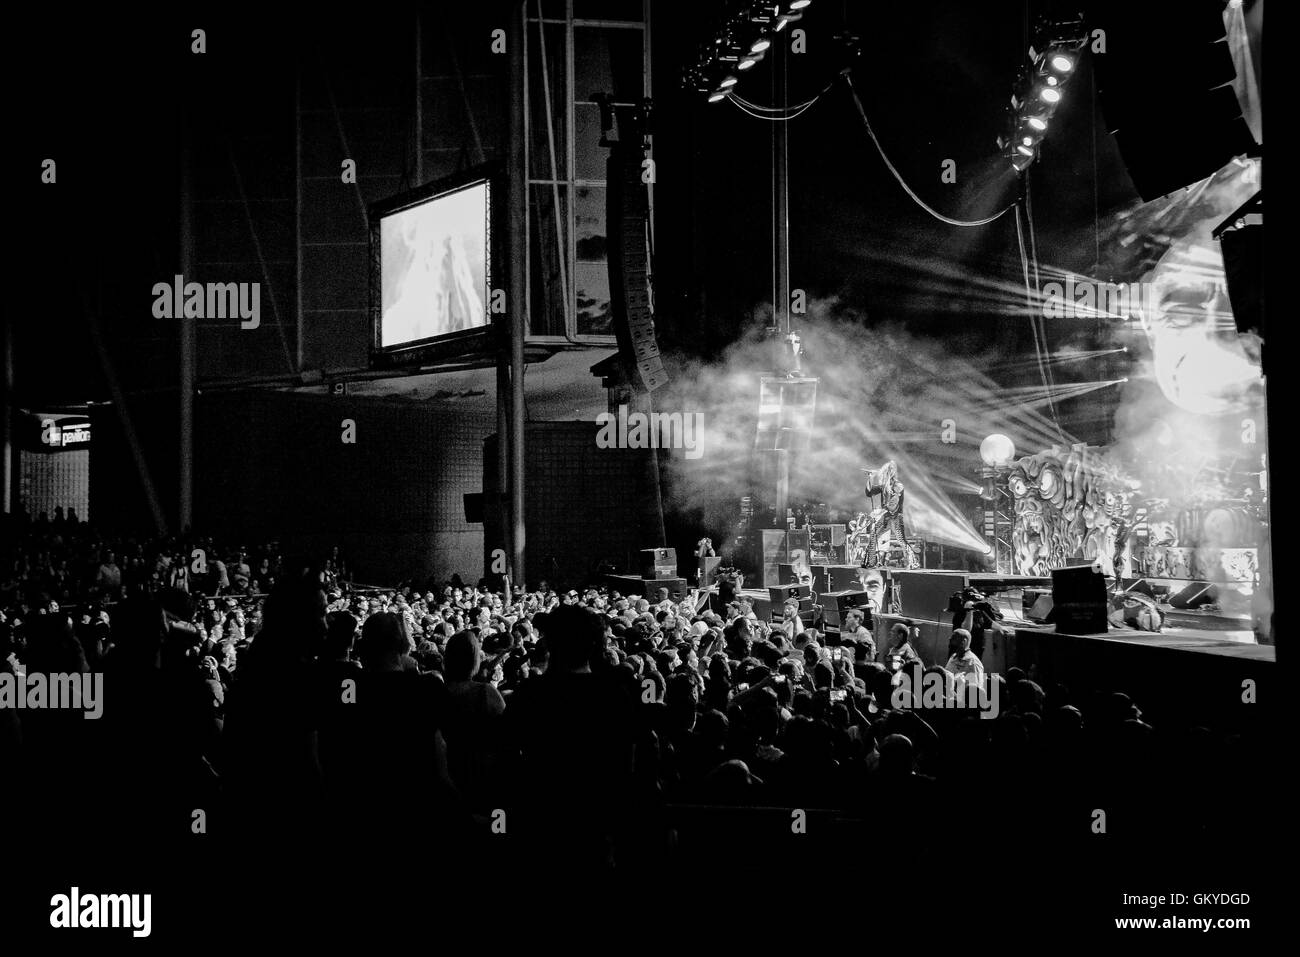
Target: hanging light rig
[
  {"x": 1053, "y": 60},
  {"x": 739, "y": 44}
]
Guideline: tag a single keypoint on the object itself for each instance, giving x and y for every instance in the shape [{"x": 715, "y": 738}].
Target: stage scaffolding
[{"x": 998, "y": 517}]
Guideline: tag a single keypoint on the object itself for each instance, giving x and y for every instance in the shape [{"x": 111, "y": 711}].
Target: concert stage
[{"x": 1202, "y": 656}]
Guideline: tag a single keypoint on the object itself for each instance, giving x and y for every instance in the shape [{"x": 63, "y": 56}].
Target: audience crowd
[{"x": 602, "y": 726}]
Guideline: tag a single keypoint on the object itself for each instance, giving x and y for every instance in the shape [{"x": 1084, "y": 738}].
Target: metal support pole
[
  {"x": 297, "y": 214},
  {"x": 503, "y": 439},
  {"x": 516, "y": 293},
  {"x": 188, "y": 349},
  {"x": 781, "y": 193},
  {"x": 782, "y": 487},
  {"x": 419, "y": 99},
  {"x": 7, "y": 426},
  {"x": 781, "y": 258}
]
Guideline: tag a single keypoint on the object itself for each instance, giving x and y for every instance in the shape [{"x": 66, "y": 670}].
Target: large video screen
[{"x": 434, "y": 267}]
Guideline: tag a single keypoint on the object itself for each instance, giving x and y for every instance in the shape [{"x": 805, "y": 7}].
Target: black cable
[{"x": 898, "y": 176}]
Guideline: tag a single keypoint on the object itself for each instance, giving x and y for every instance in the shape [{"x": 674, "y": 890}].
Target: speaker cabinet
[{"x": 1079, "y": 601}]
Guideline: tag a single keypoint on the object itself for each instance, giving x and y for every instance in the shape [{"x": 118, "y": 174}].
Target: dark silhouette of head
[{"x": 574, "y": 637}]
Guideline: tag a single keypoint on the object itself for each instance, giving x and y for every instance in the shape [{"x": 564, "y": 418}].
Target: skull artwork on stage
[{"x": 1070, "y": 508}]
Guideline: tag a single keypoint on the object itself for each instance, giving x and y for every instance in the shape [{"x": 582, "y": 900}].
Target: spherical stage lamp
[{"x": 997, "y": 450}]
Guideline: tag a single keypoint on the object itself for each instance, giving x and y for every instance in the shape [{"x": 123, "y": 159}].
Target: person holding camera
[{"x": 974, "y": 613}]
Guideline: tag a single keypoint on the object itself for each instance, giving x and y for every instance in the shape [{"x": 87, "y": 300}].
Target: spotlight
[
  {"x": 1052, "y": 58},
  {"x": 799, "y": 4},
  {"x": 717, "y": 95},
  {"x": 727, "y": 82},
  {"x": 759, "y": 46},
  {"x": 747, "y": 63}
]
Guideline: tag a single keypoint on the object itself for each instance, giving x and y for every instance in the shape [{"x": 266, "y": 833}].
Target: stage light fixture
[
  {"x": 997, "y": 450},
  {"x": 739, "y": 44},
  {"x": 1021, "y": 158},
  {"x": 1038, "y": 90}
]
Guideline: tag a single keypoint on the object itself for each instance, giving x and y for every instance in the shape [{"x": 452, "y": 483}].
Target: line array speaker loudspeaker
[{"x": 627, "y": 213}]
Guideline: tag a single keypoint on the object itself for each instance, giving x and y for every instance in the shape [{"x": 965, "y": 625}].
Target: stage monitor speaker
[
  {"x": 1042, "y": 610},
  {"x": 1195, "y": 129},
  {"x": 844, "y": 577},
  {"x": 1079, "y": 601},
  {"x": 779, "y": 593},
  {"x": 924, "y": 595},
  {"x": 1142, "y": 587},
  {"x": 676, "y": 588},
  {"x": 658, "y": 563},
  {"x": 835, "y": 605},
  {"x": 1195, "y": 595}
]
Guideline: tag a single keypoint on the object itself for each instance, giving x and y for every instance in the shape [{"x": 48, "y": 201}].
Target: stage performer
[{"x": 887, "y": 521}]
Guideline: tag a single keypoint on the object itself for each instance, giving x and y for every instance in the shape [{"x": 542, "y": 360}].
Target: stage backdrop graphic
[{"x": 1070, "y": 508}]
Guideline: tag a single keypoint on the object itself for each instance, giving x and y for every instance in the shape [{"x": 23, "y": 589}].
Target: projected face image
[
  {"x": 433, "y": 269},
  {"x": 1200, "y": 361}
]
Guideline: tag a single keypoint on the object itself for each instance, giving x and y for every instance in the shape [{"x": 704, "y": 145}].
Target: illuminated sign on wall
[
  {"x": 61, "y": 436},
  {"x": 55, "y": 433}
]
